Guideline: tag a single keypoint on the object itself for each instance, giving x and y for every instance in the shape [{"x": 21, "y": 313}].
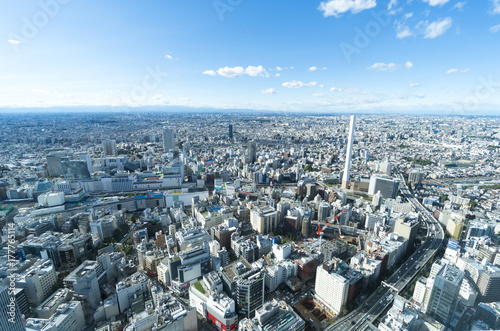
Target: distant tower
[
  {"x": 109, "y": 147},
  {"x": 252, "y": 151},
  {"x": 231, "y": 131},
  {"x": 168, "y": 140},
  {"x": 345, "y": 179}
]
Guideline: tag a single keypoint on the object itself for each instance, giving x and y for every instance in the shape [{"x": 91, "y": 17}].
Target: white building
[
  {"x": 37, "y": 281},
  {"x": 127, "y": 288},
  {"x": 68, "y": 316},
  {"x": 279, "y": 273},
  {"x": 331, "y": 289}
]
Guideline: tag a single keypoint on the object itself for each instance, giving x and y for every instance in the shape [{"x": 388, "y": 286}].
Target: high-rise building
[
  {"x": 109, "y": 147},
  {"x": 37, "y": 281},
  {"x": 416, "y": 177},
  {"x": 387, "y": 186},
  {"x": 331, "y": 289},
  {"x": 408, "y": 228},
  {"x": 230, "y": 131},
  {"x": 54, "y": 161},
  {"x": 75, "y": 169},
  {"x": 168, "y": 140},
  {"x": 10, "y": 316},
  {"x": 86, "y": 280},
  {"x": 489, "y": 284},
  {"x": 444, "y": 293},
  {"x": 88, "y": 161},
  {"x": 250, "y": 291},
  {"x": 264, "y": 220},
  {"x": 252, "y": 152},
  {"x": 346, "y": 177}
]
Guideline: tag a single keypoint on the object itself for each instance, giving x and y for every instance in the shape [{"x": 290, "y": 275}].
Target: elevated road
[{"x": 378, "y": 301}]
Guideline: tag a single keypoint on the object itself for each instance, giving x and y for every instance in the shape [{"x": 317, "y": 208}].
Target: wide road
[{"x": 384, "y": 295}]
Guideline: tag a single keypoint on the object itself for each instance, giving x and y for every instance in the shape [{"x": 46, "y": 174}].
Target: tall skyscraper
[
  {"x": 444, "y": 293},
  {"x": 252, "y": 152},
  {"x": 347, "y": 169},
  {"x": 10, "y": 316},
  {"x": 109, "y": 147},
  {"x": 231, "y": 131},
  {"x": 168, "y": 140}
]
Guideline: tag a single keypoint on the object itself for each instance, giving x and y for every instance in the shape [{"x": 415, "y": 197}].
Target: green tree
[
  {"x": 308, "y": 168},
  {"x": 133, "y": 218}
]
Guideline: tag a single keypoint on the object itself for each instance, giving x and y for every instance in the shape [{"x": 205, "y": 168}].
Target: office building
[
  {"x": 109, "y": 147},
  {"x": 444, "y": 293},
  {"x": 416, "y": 177},
  {"x": 129, "y": 289},
  {"x": 489, "y": 284},
  {"x": 331, "y": 289},
  {"x": 68, "y": 316},
  {"x": 408, "y": 228},
  {"x": 168, "y": 140},
  {"x": 75, "y": 170},
  {"x": 264, "y": 219},
  {"x": 346, "y": 176},
  {"x": 387, "y": 186},
  {"x": 37, "y": 281},
  {"x": 10, "y": 315},
  {"x": 189, "y": 265},
  {"x": 49, "y": 306},
  {"x": 230, "y": 133},
  {"x": 250, "y": 291},
  {"x": 252, "y": 152},
  {"x": 86, "y": 280}
]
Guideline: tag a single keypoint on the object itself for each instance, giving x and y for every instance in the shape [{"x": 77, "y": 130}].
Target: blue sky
[{"x": 326, "y": 56}]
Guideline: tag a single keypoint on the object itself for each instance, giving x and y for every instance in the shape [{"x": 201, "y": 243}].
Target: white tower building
[{"x": 346, "y": 177}]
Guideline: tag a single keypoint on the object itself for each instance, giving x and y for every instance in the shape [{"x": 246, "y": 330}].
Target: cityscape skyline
[{"x": 330, "y": 56}]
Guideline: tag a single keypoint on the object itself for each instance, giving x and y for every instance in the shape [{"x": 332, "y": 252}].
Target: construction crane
[{"x": 335, "y": 220}]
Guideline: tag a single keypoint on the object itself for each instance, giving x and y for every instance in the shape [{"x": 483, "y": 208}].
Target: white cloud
[
  {"x": 391, "y": 4},
  {"x": 277, "y": 75},
  {"x": 436, "y": 2},
  {"x": 210, "y": 73},
  {"x": 321, "y": 86},
  {"x": 313, "y": 68},
  {"x": 336, "y": 89},
  {"x": 318, "y": 94},
  {"x": 403, "y": 32},
  {"x": 408, "y": 65},
  {"x": 496, "y": 7},
  {"x": 279, "y": 68},
  {"x": 268, "y": 91},
  {"x": 338, "y": 7},
  {"x": 414, "y": 84},
  {"x": 384, "y": 67},
  {"x": 495, "y": 28},
  {"x": 437, "y": 28},
  {"x": 256, "y": 71},
  {"x": 298, "y": 84},
  {"x": 232, "y": 72},
  {"x": 13, "y": 41},
  {"x": 169, "y": 57},
  {"x": 459, "y": 5},
  {"x": 229, "y": 72},
  {"x": 456, "y": 71}
]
